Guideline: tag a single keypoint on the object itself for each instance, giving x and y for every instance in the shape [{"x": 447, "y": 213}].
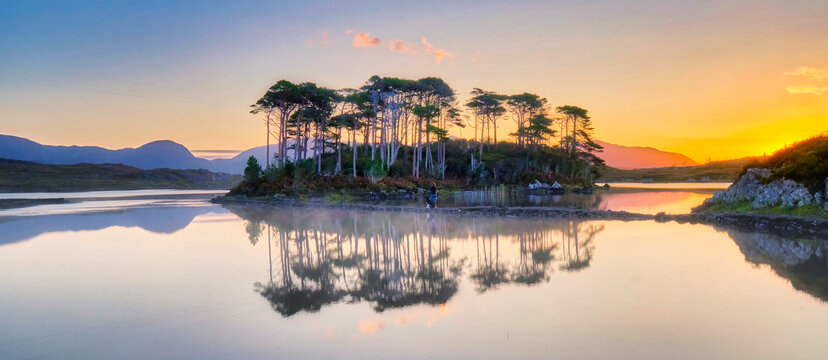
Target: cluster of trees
[
  {"x": 535, "y": 126},
  {"x": 386, "y": 113},
  {"x": 391, "y": 117}
]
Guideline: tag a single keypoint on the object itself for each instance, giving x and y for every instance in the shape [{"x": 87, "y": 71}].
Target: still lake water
[{"x": 176, "y": 277}]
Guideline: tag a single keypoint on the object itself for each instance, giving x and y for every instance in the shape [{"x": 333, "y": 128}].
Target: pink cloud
[
  {"x": 365, "y": 40},
  {"x": 321, "y": 40},
  {"x": 349, "y": 31},
  {"x": 439, "y": 54},
  {"x": 401, "y": 47},
  {"x": 428, "y": 47}
]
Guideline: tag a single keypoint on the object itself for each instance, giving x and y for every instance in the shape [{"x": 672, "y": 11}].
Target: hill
[
  {"x": 154, "y": 155},
  {"x": 637, "y": 157},
  {"x": 792, "y": 181},
  {"x": 805, "y": 162},
  {"x": 727, "y": 170},
  {"x": 24, "y": 176}
]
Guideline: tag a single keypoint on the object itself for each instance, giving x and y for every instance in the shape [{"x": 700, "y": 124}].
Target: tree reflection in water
[{"x": 319, "y": 257}]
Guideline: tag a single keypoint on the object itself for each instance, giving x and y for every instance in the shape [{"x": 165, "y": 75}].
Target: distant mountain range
[
  {"x": 636, "y": 157},
  {"x": 172, "y": 155},
  {"x": 153, "y": 155}
]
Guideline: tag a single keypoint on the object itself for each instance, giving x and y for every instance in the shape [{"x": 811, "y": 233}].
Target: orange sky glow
[{"x": 711, "y": 80}]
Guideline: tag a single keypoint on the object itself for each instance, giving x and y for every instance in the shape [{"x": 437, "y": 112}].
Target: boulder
[
  {"x": 783, "y": 192},
  {"x": 539, "y": 188},
  {"x": 537, "y": 185},
  {"x": 746, "y": 188}
]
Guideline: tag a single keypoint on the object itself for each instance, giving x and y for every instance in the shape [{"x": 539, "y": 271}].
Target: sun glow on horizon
[{"x": 710, "y": 82}]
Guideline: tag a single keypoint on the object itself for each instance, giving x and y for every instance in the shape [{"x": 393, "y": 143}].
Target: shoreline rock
[{"x": 753, "y": 187}]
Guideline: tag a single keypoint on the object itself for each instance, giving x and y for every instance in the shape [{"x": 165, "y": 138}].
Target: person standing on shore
[{"x": 432, "y": 197}]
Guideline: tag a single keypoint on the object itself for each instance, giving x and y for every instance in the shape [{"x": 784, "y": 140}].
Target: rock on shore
[{"x": 779, "y": 192}]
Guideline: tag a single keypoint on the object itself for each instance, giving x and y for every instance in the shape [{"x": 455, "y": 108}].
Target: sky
[{"x": 713, "y": 80}]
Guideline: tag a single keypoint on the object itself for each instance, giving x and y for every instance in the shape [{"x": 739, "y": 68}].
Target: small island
[{"x": 389, "y": 139}]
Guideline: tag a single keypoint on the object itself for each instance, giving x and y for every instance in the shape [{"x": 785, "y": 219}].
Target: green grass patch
[{"x": 744, "y": 207}]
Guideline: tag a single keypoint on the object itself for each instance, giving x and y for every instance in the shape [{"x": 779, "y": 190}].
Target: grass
[
  {"x": 340, "y": 186},
  {"x": 744, "y": 207},
  {"x": 805, "y": 162},
  {"x": 717, "y": 171}
]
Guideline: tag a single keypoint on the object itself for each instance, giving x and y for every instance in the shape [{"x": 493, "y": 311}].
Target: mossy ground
[
  {"x": 340, "y": 187},
  {"x": 744, "y": 207}
]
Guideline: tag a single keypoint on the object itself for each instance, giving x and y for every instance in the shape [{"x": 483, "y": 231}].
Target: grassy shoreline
[
  {"x": 744, "y": 207},
  {"x": 23, "y": 176}
]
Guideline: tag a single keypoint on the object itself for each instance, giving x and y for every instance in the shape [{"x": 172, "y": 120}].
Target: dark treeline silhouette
[
  {"x": 319, "y": 257},
  {"x": 399, "y": 127}
]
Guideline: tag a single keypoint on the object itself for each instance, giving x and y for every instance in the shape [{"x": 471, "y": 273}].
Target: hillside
[
  {"x": 805, "y": 162},
  {"x": 153, "y": 155},
  {"x": 792, "y": 181},
  {"x": 24, "y": 176},
  {"x": 726, "y": 170},
  {"x": 637, "y": 157}
]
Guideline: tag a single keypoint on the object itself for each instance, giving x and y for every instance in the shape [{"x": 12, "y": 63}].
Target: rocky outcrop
[
  {"x": 746, "y": 188},
  {"x": 825, "y": 197},
  {"x": 786, "y": 193},
  {"x": 753, "y": 187},
  {"x": 539, "y": 188}
]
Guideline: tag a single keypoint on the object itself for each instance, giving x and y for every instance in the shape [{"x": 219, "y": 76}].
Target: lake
[{"x": 161, "y": 275}]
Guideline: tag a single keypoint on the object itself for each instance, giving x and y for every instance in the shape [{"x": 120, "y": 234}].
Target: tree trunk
[
  {"x": 339, "y": 149},
  {"x": 354, "y": 147},
  {"x": 267, "y": 146}
]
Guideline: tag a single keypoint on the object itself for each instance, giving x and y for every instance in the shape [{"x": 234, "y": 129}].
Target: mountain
[
  {"x": 157, "y": 154},
  {"x": 153, "y": 155},
  {"x": 636, "y": 157}
]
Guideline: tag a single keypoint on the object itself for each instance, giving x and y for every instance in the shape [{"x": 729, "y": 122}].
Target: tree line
[{"x": 387, "y": 116}]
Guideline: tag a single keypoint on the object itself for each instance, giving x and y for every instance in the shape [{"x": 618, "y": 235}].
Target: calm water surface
[{"x": 181, "y": 278}]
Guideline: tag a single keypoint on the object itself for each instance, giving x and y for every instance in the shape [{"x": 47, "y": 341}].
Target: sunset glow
[{"x": 710, "y": 80}]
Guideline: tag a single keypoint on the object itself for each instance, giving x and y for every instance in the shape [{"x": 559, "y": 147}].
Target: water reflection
[
  {"x": 675, "y": 201},
  {"x": 512, "y": 288},
  {"x": 165, "y": 219},
  {"x": 320, "y": 257},
  {"x": 803, "y": 262}
]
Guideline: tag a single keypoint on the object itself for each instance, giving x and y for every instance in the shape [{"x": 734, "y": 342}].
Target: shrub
[{"x": 253, "y": 170}]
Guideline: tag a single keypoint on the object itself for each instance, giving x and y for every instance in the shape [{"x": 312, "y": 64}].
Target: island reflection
[{"x": 392, "y": 260}]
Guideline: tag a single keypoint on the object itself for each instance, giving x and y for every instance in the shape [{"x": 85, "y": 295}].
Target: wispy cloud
[
  {"x": 807, "y": 89},
  {"x": 439, "y": 54},
  {"x": 362, "y": 40},
  {"x": 365, "y": 40},
  {"x": 809, "y": 73},
  {"x": 321, "y": 40},
  {"x": 401, "y": 47}
]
